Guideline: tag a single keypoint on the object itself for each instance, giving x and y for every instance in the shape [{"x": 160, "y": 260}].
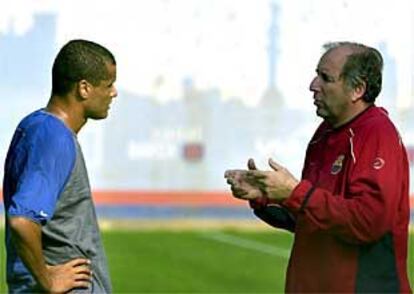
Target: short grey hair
[{"x": 363, "y": 65}]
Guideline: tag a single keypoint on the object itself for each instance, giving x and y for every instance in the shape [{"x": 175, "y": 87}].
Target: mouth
[
  {"x": 317, "y": 103},
  {"x": 320, "y": 106}
]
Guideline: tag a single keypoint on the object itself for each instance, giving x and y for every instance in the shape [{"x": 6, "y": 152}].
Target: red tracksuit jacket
[{"x": 350, "y": 212}]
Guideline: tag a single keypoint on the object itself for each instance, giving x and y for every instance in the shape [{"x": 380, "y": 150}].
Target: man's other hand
[{"x": 75, "y": 273}]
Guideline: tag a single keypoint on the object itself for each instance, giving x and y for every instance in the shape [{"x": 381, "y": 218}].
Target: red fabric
[{"x": 360, "y": 176}]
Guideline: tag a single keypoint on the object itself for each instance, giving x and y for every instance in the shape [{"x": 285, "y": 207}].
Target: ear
[
  {"x": 359, "y": 91},
  {"x": 83, "y": 88}
]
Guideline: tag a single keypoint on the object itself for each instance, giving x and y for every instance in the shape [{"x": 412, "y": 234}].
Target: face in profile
[
  {"x": 101, "y": 95},
  {"x": 331, "y": 96}
]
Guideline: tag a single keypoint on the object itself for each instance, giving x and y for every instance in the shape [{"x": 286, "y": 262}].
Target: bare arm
[{"x": 27, "y": 238}]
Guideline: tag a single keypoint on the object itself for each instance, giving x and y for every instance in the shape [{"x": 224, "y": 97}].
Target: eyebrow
[{"x": 326, "y": 75}]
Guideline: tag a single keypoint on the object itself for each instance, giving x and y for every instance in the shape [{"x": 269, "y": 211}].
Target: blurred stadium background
[{"x": 203, "y": 86}]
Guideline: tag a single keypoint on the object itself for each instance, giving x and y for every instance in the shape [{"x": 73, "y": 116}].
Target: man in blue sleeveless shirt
[{"x": 52, "y": 236}]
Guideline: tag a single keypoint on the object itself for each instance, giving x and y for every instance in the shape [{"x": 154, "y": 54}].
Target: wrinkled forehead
[{"x": 334, "y": 59}]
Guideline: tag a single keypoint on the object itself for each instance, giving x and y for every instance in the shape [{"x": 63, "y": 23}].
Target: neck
[
  {"x": 356, "y": 111},
  {"x": 68, "y": 112}
]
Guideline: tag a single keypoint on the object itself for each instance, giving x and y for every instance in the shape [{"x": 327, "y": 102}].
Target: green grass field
[
  {"x": 208, "y": 261},
  {"x": 197, "y": 262}
]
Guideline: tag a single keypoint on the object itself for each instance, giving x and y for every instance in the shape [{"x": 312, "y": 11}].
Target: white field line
[{"x": 247, "y": 244}]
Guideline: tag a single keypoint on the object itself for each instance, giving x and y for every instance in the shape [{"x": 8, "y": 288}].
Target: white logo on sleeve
[
  {"x": 43, "y": 214},
  {"x": 378, "y": 163}
]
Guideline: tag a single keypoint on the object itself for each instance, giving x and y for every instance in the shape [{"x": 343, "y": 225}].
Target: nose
[{"x": 314, "y": 85}]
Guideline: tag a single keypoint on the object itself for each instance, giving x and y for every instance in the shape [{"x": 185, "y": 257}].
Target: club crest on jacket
[{"x": 337, "y": 165}]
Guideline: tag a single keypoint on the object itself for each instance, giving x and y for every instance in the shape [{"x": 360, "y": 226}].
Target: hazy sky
[{"x": 223, "y": 43}]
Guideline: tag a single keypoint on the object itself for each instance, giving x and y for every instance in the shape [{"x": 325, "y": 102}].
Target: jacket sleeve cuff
[{"x": 298, "y": 200}]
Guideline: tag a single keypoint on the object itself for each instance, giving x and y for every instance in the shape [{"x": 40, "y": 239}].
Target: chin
[
  {"x": 321, "y": 113},
  {"x": 99, "y": 116}
]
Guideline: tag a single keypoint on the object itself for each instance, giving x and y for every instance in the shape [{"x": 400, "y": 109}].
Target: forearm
[
  {"x": 358, "y": 218},
  {"x": 276, "y": 216},
  {"x": 27, "y": 239}
]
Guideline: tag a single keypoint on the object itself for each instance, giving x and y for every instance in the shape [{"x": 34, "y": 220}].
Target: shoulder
[
  {"x": 376, "y": 128},
  {"x": 376, "y": 121},
  {"x": 42, "y": 135},
  {"x": 41, "y": 126}
]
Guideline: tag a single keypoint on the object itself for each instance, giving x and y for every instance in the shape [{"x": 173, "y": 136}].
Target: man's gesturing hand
[
  {"x": 240, "y": 188},
  {"x": 276, "y": 184}
]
